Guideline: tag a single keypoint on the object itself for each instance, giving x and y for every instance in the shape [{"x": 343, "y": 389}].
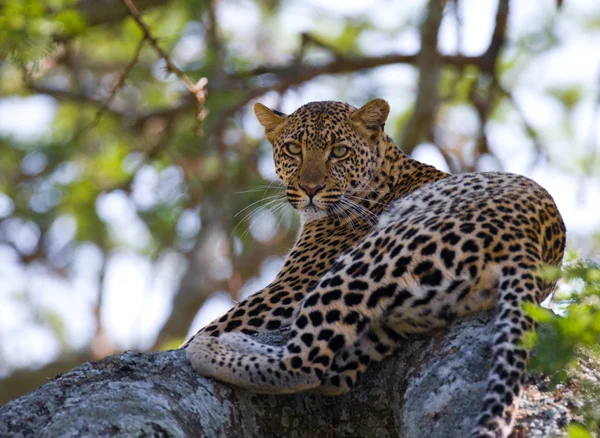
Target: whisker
[
  {"x": 281, "y": 210},
  {"x": 344, "y": 214},
  {"x": 361, "y": 212},
  {"x": 262, "y": 187},
  {"x": 256, "y": 202},
  {"x": 255, "y": 211},
  {"x": 255, "y": 215},
  {"x": 269, "y": 186}
]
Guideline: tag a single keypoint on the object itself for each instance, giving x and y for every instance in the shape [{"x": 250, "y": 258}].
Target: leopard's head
[{"x": 326, "y": 153}]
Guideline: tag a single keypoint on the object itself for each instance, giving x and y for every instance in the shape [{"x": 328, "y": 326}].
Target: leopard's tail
[{"x": 505, "y": 379}]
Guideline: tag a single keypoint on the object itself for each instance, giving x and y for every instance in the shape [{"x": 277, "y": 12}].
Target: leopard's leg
[
  {"x": 505, "y": 379},
  {"x": 342, "y": 307},
  {"x": 267, "y": 310},
  {"x": 263, "y": 311},
  {"x": 300, "y": 365},
  {"x": 274, "y": 307},
  {"x": 350, "y": 363}
]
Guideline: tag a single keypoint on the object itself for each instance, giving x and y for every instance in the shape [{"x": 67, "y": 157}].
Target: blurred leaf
[
  {"x": 71, "y": 21},
  {"x": 578, "y": 431},
  {"x": 569, "y": 96},
  {"x": 539, "y": 314},
  {"x": 347, "y": 40},
  {"x": 171, "y": 344}
]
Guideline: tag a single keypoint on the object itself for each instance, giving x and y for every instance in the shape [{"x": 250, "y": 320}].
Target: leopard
[{"x": 388, "y": 247}]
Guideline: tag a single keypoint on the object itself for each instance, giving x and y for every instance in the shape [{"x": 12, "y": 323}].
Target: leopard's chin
[{"x": 312, "y": 212}]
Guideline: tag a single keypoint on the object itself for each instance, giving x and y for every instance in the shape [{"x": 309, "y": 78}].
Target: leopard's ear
[
  {"x": 268, "y": 118},
  {"x": 373, "y": 114}
]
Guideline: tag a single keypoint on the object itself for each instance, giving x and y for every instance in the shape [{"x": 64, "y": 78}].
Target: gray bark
[{"x": 433, "y": 387}]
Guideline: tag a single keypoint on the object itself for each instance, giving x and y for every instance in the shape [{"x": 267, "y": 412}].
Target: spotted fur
[{"x": 389, "y": 246}]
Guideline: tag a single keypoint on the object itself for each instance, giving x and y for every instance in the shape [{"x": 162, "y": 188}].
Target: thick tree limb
[{"x": 432, "y": 388}]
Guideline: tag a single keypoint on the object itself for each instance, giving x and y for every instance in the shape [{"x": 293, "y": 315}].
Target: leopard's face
[{"x": 326, "y": 157}]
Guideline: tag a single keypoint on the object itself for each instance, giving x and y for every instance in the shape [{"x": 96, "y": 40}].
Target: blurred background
[{"x": 134, "y": 194}]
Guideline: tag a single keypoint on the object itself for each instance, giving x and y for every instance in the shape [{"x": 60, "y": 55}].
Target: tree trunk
[{"x": 433, "y": 387}]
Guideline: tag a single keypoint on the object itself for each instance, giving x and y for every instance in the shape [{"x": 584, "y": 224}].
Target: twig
[
  {"x": 113, "y": 92},
  {"x": 198, "y": 89},
  {"x": 171, "y": 67},
  {"x": 284, "y": 77}
]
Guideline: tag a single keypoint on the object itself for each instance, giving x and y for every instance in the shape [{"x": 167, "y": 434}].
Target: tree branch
[
  {"x": 281, "y": 77},
  {"x": 429, "y": 65},
  {"x": 490, "y": 57},
  {"x": 350, "y": 64},
  {"x": 431, "y": 387}
]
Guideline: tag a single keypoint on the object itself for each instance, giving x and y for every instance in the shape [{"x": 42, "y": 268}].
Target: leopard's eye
[
  {"x": 293, "y": 149},
  {"x": 340, "y": 151}
]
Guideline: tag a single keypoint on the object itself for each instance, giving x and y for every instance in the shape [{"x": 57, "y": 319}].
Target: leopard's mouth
[
  {"x": 322, "y": 205},
  {"x": 310, "y": 204}
]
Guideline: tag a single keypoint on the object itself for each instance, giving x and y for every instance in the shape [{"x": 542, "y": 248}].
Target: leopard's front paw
[{"x": 207, "y": 354}]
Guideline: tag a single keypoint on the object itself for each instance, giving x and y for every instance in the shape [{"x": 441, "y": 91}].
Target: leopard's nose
[{"x": 311, "y": 190}]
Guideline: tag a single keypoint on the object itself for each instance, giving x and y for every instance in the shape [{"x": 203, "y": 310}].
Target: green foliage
[
  {"x": 28, "y": 28},
  {"x": 456, "y": 87},
  {"x": 562, "y": 340},
  {"x": 578, "y": 431},
  {"x": 346, "y": 41}
]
